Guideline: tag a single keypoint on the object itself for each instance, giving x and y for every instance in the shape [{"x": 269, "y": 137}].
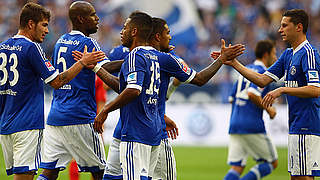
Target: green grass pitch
[{"x": 201, "y": 163}]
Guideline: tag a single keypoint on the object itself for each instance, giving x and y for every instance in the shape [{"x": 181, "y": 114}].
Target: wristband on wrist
[{"x": 96, "y": 68}]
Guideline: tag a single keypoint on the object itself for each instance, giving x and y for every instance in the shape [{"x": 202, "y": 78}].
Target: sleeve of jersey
[
  {"x": 41, "y": 64},
  {"x": 276, "y": 71},
  {"x": 178, "y": 68},
  {"x": 310, "y": 65},
  {"x": 94, "y": 44},
  {"x": 134, "y": 71},
  {"x": 255, "y": 89}
]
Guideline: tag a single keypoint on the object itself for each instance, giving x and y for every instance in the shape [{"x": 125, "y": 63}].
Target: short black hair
[
  {"x": 298, "y": 16},
  {"x": 34, "y": 12},
  {"x": 143, "y": 22},
  {"x": 263, "y": 47},
  {"x": 157, "y": 26}
]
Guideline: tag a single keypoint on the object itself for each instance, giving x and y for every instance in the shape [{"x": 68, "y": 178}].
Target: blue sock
[
  {"x": 258, "y": 171},
  {"x": 42, "y": 177},
  {"x": 232, "y": 175}
]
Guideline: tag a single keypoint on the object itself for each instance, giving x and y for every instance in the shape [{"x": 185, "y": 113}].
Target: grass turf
[{"x": 201, "y": 163}]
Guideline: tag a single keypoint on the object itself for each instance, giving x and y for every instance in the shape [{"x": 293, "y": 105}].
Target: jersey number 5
[
  {"x": 13, "y": 57},
  {"x": 61, "y": 59}
]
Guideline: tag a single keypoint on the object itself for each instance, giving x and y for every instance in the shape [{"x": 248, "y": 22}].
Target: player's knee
[
  {"x": 51, "y": 174},
  {"x": 239, "y": 169},
  {"x": 275, "y": 164}
]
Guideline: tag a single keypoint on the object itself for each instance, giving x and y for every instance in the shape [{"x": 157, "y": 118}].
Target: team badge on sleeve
[
  {"x": 49, "y": 66},
  {"x": 313, "y": 75},
  {"x": 132, "y": 78}
]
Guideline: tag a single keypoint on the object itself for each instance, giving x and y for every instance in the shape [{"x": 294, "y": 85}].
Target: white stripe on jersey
[
  {"x": 96, "y": 45},
  {"x": 40, "y": 51},
  {"x": 312, "y": 58},
  {"x": 177, "y": 60},
  {"x": 132, "y": 59}
]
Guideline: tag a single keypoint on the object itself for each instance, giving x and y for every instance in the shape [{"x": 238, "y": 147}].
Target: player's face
[
  {"x": 40, "y": 30},
  {"x": 165, "y": 39},
  {"x": 287, "y": 30},
  {"x": 272, "y": 57},
  {"x": 92, "y": 21},
  {"x": 125, "y": 33}
]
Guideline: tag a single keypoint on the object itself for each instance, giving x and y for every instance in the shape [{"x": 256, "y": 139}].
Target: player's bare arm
[
  {"x": 113, "y": 66},
  {"x": 261, "y": 80},
  {"x": 227, "y": 53},
  {"x": 109, "y": 79},
  {"x": 171, "y": 127},
  {"x": 257, "y": 100},
  {"x": 87, "y": 60},
  {"x": 128, "y": 95},
  {"x": 301, "y": 92}
]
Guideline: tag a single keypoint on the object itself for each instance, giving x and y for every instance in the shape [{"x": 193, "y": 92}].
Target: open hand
[{"x": 99, "y": 121}]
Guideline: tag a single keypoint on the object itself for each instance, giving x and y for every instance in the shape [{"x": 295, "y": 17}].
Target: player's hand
[
  {"x": 215, "y": 54},
  {"x": 272, "y": 112},
  {"x": 89, "y": 60},
  {"x": 228, "y": 54},
  {"x": 171, "y": 128},
  {"x": 99, "y": 121},
  {"x": 269, "y": 98}
]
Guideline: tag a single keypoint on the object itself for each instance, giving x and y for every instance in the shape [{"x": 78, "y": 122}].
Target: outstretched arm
[
  {"x": 87, "y": 60},
  {"x": 109, "y": 79},
  {"x": 227, "y": 53},
  {"x": 259, "y": 79}
]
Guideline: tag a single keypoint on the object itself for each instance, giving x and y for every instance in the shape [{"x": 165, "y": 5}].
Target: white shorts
[
  {"x": 81, "y": 142},
  {"x": 304, "y": 155},
  {"x": 138, "y": 160},
  {"x": 21, "y": 151},
  {"x": 166, "y": 165},
  {"x": 113, "y": 168},
  {"x": 259, "y": 146}
]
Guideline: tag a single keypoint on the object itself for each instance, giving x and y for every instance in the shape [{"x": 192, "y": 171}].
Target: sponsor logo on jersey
[
  {"x": 293, "y": 70},
  {"x": 132, "y": 78},
  {"x": 68, "y": 42},
  {"x": 291, "y": 83},
  {"x": 49, "y": 66},
  {"x": 185, "y": 67},
  {"x": 313, "y": 76}
]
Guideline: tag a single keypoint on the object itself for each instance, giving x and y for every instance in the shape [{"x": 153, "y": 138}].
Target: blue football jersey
[
  {"x": 23, "y": 67},
  {"x": 246, "y": 117},
  {"x": 170, "y": 66},
  {"x": 74, "y": 103},
  {"x": 300, "y": 68},
  {"x": 140, "y": 118}
]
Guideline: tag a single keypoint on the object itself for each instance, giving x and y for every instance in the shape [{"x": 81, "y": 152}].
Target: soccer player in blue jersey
[
  {"x": 300, "y": 66},
  {"x": 247, "y": 131},
  {"x": 139, "y": 87},
  {"x": 23, "y": 67},
  {"x": 170, "y": 66},
  {"x": 69, "y": 131}
]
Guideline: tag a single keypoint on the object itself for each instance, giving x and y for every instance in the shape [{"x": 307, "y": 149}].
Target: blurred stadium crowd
[{"x": 237, "y": 21}]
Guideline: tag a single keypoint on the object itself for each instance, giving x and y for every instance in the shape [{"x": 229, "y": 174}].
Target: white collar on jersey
[
  {"x": 146, "y": 47},
  {"x": 258, "y": 62},
  {"x": 300, "y": 46},
  {"x": 21, "y": 36},
  {"x": 75, "y": 32}
]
